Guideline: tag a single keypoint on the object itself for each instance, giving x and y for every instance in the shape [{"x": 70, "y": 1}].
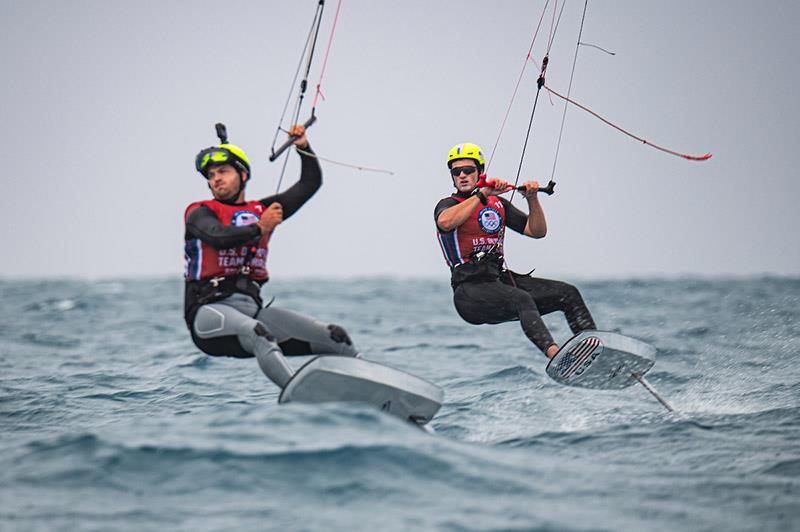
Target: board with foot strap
[{"x": 601, "y": 360}]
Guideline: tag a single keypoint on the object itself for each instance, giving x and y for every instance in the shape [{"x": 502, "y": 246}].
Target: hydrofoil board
[
  {"x": 336, "y": 378},
  {"x": 601, "y": 360}
]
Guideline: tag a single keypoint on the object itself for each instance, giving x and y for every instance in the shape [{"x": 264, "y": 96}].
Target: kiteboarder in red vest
[
  {"x": 227, "y": 243},
  {"x": 471, "y": 225}
]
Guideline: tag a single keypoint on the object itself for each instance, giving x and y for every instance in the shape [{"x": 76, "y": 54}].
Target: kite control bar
[
  {"x": 549, "y": 189},
  {"x": 277, "y": 153}
]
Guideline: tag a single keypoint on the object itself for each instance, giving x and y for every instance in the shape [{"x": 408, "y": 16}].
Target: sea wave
[{"x": 111, "y": 418}]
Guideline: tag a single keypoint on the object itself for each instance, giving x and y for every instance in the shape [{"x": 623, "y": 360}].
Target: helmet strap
[{"x": 242, "y": 185}]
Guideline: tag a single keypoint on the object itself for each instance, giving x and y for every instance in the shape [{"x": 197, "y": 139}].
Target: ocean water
[{"x": 110, "y": 418}]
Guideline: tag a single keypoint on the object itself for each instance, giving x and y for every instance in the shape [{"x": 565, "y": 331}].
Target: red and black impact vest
[
  {"x": 482, "y": 232},
  {"x": 205, "y": 262}
]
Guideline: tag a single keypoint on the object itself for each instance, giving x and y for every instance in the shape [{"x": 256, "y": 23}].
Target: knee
[
  {"x": 469, "y": 312},
  {"x": 262, "y": 331},
  {"x": 570, "y": 293},
  {"x": 221, "y": 332},
  {"x": 208, "y": 322},
  {"x": 340, "y": 336},
  {"x": 256, "y": 335},
  {"x": 470, "y": 318},
  {"x": 523, "y": 301}
]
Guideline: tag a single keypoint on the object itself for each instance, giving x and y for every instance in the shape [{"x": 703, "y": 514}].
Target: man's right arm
[
  {"x": 451, "y": 217},
  {"x": 450, "y": 213},
  {"x": 202, "y": 223}
]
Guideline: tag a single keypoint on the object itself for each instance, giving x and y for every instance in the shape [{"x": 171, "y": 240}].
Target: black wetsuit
[{"x": 485, "y": 292}]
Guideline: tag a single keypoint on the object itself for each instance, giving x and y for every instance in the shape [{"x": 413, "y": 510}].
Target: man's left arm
[
  {"x": 536, "y": 225},
  {"x": 310, "y": 178},
  {"x": 533, "y": 224}
]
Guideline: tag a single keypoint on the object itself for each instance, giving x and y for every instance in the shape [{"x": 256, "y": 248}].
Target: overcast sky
[{"x": 105, "y": 104}]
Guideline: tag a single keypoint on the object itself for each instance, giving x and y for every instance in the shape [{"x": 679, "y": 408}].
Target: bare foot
[{"x": 551, "y": 351}]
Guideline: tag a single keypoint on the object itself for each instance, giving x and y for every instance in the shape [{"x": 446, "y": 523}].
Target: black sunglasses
[{"x": 469, "y": 170}]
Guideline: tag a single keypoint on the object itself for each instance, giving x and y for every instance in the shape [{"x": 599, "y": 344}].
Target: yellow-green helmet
[
  {"x": 466, "y": 150},
  {"x": 222, "y": 154}
]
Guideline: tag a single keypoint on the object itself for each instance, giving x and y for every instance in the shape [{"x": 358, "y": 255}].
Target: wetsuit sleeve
[
  {"x": 443, "y": 205},
  {"x": 202, "y": 223},
  {"x": 515, "y": 218},
  {"x": 295, "y": 196}
]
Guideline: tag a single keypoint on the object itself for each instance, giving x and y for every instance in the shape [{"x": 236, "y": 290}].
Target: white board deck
[{"x": 336, "y": 378}]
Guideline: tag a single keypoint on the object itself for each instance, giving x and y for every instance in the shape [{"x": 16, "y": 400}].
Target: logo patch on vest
[
  {"x": 490, "y": 220},
  {"x": 243, "y": 218}
]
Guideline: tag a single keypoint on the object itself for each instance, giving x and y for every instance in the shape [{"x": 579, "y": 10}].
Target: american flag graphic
[{"x": 577, "y": 356}]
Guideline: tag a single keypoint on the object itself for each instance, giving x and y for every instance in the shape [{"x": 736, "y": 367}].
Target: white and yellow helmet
[{"x": 466, "y": 150}]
